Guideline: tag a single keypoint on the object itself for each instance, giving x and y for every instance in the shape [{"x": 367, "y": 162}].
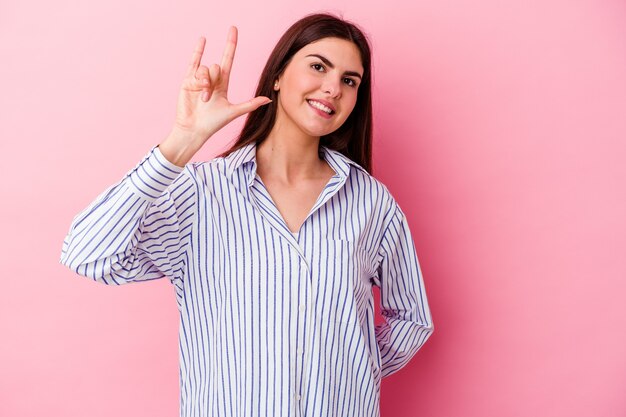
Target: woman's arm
[
  {"x": 137, "y": 229},
  {"x": 404, "y": 306}
]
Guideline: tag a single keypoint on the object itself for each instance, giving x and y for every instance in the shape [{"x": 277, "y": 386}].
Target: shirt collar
[{"x": 246, "y": 155}]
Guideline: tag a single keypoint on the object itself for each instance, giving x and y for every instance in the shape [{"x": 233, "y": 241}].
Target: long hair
[{"x": 354, "y": 137}]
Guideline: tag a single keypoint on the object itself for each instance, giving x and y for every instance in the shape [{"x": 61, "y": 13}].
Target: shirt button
[
  {"x": 299, "y": 351},
  {"x": 298, "y": 397},
  {"x": 302, "y": 307}
]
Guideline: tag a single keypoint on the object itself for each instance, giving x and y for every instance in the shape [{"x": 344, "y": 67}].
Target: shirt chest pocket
[{"x": 342, "y": 281}]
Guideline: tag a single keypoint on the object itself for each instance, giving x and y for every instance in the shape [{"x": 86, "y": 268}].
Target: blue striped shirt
[{"x": 272, "y": 323}]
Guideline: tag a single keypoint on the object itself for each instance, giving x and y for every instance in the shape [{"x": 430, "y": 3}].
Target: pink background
[{"x": 500, "y": 129}]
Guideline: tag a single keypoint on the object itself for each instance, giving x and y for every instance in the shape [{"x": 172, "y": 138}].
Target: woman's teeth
[{"x": 320, "y": 106}]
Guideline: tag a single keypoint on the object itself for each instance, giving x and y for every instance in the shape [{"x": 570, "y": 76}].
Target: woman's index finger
[
  {"x": 229, "y": 50},
  {"x": 196, "y": 57}
]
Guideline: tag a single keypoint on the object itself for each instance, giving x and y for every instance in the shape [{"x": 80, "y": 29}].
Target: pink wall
[{"x": 500, "y": 129}]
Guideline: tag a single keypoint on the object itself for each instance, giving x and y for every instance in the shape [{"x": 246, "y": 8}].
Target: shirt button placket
[
  {"x": 303, "y": 317},
  {"x": 302, "y": 309}
]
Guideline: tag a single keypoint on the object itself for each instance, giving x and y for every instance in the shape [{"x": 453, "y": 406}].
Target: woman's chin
[{"x": 314, "y": 129}]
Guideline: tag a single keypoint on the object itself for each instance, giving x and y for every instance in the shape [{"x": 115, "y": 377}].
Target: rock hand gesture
[{"x": 203, "y": 107}]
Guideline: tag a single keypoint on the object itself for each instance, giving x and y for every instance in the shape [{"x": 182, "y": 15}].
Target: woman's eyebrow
[{"x": 330, "y": 64}]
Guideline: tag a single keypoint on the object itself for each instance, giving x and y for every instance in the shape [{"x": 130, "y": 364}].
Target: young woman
[{"x": 272, "y": 247}]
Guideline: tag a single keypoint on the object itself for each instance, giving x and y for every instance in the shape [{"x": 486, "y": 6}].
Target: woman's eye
[{"x": 349, "y": 81}]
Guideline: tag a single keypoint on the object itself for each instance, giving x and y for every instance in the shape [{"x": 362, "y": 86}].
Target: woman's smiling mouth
[{"x": 321, "y": 109}]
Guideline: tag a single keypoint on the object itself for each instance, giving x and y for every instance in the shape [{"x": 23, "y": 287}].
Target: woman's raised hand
[{"x": 203, "y": 107}]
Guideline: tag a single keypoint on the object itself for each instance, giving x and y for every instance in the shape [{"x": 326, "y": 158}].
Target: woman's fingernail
[{"x": 205, "y": 95}]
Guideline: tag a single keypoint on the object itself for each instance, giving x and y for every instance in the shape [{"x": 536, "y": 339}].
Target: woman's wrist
[{"x": 180, "y": 146}]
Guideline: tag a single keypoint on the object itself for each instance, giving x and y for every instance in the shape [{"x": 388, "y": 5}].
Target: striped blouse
[{"x": 272, "y": 323}]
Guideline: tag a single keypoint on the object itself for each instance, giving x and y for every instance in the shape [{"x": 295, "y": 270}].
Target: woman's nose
[{"x": 332, "y": 87}]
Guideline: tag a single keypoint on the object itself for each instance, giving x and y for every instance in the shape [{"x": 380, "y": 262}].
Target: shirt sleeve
[
  {"x": 404, "y": 306},
  {"x": 136, "y": 230}
]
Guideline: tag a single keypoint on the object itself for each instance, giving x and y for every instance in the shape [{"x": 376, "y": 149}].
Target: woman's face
[{"x": 327, "y": 71}]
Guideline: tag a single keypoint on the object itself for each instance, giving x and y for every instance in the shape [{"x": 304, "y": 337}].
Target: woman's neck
[{"x": 289, "y": 157}]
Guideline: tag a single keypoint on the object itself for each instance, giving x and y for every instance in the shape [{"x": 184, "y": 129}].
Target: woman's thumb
[{"x": 252, "y": 104}]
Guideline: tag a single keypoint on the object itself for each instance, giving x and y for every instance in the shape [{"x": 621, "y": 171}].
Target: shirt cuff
[{"x": 153, "y": 174}]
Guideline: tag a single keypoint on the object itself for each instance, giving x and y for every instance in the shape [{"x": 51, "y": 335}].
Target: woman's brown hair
[{"x": 354, "y": 138}]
